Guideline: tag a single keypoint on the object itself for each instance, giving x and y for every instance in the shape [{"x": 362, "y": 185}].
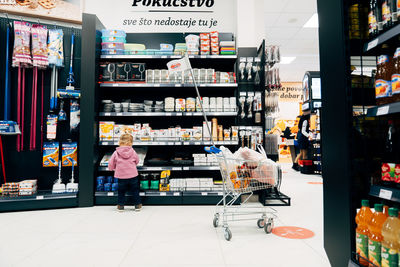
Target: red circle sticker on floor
[
  {"x": 293, "y": 232},
  {"x": 315, "y": 183}
]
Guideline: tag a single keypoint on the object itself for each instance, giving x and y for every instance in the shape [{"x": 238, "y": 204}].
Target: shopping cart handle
[{"x": 212, "y": 149}]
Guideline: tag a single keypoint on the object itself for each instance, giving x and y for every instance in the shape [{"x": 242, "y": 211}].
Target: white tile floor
[{"x": 163, "y": 235}]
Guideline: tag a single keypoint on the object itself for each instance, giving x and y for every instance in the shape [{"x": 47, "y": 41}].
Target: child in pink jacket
[{"x": 124, "y": 161}]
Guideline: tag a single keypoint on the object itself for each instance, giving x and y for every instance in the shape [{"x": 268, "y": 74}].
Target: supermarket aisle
[{"x": 164, "y": 236}]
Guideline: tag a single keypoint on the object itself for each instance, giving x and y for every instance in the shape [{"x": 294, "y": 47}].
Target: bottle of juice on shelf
[
  {"x": 396, "y": 72},
  {"x": 386, "y": 14},
  {"x": 363, "y": 217},
  {"x": 386, "y": 210},
  {"x": 383, "y": 77},
  {"x": 390, "y": 243},
  {"x": 375, "y": 236},
  {"x": 372, "y": 19}
]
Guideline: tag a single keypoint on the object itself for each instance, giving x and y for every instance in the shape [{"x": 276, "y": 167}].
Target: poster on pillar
[
  {"x": 164, "y": 15},
  {"x": 59, "y": 10},
  {"x": 290, "y": 97}
]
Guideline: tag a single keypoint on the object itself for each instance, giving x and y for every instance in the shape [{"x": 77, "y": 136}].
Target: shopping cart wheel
[
  {"x": 216, "y": 220},
  {"x": 227, "y": 234},
  {"x": 268, "y": 228},
  {"x": 260, "y": 223}
]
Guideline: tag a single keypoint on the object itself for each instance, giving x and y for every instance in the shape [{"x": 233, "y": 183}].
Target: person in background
[
  {"x": 124, "y": 161},
  {"x": 302, "y": 139}
]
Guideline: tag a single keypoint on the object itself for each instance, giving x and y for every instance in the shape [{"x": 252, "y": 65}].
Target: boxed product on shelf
[
  {"x": 212, "y": 160},
  {"x": 10, "y": 189},
  {"x": 107, "y": 72},
  {"x": 192, "y": 184},
  {"x": 27, "y": 187},
  {"x": 206, "y": 184},
  {"x": 390, "y": 172},
  {"x": 105, "y": 159},
  {"x": 134, "y": 47},
  {"x": 119, "y": 46},
  {"x": 214, "y": 43},
  {"x": 112, "y": 52},
  {"x": 137, "y": 72},
  {"x": 113, "y": 33},
  {"x": 206, "y": 131},
  {"x": 199, "y": 160},
  {"x": 106, "y": 130}
]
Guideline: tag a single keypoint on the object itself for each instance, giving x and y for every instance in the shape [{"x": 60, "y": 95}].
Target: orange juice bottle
[
  {"x": 386, "y": 210},
  {"x": 375, "y": 236},
  {"x": 390, "y": 244},
  {"x": 363, "y": 217}
]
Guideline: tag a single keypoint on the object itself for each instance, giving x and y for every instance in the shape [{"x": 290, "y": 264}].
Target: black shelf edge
[
  {"x": 172, "y": 168},
  {"x": 386, "y": 193},
  {"x": 384, "y": 110},
  {"x": 172, "y": 143},
  {"x": 230, "y": 57},
  {"x": 168, "y": 85},
  {"x": 165, "y": 114},
  {"x": 382, "y": 38},
  {"x": 61, "y": 201},
  {"x": 39, "y": 197}
]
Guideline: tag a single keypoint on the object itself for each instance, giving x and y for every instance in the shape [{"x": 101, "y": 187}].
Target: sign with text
[
  {"x": 60, "y": 10},
  {"x": 290, "y": 92},
  {"x": 164, "y": 15}
]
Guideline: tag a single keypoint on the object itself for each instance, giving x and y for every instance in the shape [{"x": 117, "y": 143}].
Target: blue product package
[
  {"x": 50, "y": 154},
  {"x": 110, "y": 179},
  {"x": 114, "y": 187},
  {"x": 112, "y": 51},
  {"x": 115, "y": 180},
  {"x": 113, "y": 39},
  {"x": 113, "y": 33},
  {"x": 101, "y": 180},
  {"x": 100, "y": 188},
  {"x": 107, "y": 187}
]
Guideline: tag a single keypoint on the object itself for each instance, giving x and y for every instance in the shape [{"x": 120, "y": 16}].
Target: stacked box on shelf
[
  {"x": 214, "y": 43},
  {"x": 192, "y": 44},
  {"x": 27, "y": 187},
  {"x": 10, "y": 189},
  {"x": 205, "y": 43},
  {"x": 228, "y": 48},
  {"x": 113, "y": 42}
]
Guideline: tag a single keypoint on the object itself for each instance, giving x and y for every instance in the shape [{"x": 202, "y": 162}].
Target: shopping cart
[{"x": 244, "y": 177}]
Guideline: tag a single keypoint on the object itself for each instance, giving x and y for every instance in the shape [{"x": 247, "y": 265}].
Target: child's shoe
[
  {"x": 138, "y": 207},
  {"x": 120, "y": 208}
]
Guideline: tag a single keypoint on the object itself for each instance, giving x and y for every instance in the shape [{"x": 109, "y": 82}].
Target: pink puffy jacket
[{"x": 124, "y": 161}]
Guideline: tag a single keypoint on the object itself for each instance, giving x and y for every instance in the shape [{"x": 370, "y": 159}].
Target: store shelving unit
[
  {"x": 28, "y": 164},
  {"x": 157, "y": 91},
  {"x": 353, "y": 156},
  {"x": 167, "y": 85},
  {"x": 165, "y": 114}
]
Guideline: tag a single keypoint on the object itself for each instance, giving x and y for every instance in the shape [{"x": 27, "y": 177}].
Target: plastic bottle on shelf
[
  {"x": 372, "y": 19},
  {"x": 363, "y": 217},
  {"x": 386, "y": 210},
  {"x": 386, "y": 14},
  {"x": 378, "y": 13},
  {"x": 396, "y": 72},
  {"x": 375, "y": 236},
  {"x": 383, "y": 76},
  {"x": 390, "y": 243}
]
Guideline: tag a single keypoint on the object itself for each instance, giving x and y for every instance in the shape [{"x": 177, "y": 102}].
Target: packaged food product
[
  {"x": 190, "y": 104},
  {"x": 197, "y": 132},
  {"x": 220, "y": 133},
  {"x": 235, "y": 133},
  {"x": 50, "y": 154},
  {"x": 69, "y": 154},
  {"x": 106, "y": 130},
  {"x": 206, "y": 131},
  {"x": 388, "y": 172},
  {"x": 180, "y": 105},
  {"x": 397, "y": 174},
  {"x": 214, "y": 130},
  {"x": 227, "y": 134}
]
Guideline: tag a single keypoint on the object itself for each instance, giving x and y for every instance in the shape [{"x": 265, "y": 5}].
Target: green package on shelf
[{"x": 154, "y": 184}]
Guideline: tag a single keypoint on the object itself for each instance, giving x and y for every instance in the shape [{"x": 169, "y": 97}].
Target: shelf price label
[
  {"x": 204, "y": 193},
  {"x": 107, "y": 114},
  {"x": 163, "y": 194},
  {"x": 385, "y": 194},
  {"x": 176, "y": 194},
  {"x": 115, "y": 85},
  {"x": 168, "y": 114},
  {"x": 142, "y": 194},
  {"x": 185, "y": 168},
  {"x": 39, "y": 197},
  {"x": 110, "y": 194},
  {"x": 372, "y": 44},
  {"x": 220, "y": 193},
  {"x": 382, "y": 111},
  {"x": 119, "y": 114},
  {"x": 176, "y": 168},
  {"x": 186, "y": 143}
]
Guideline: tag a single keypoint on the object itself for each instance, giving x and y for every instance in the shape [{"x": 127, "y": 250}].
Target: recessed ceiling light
[
  {"x": 312, "y": 22},
  {"x": 287, "y": 60}
]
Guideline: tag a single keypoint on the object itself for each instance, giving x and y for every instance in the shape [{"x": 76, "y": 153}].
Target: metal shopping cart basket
[{"x": 244, "y": 177}]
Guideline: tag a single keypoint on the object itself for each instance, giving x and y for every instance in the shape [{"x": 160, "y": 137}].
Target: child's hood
[{"x": 125, "y": 152}]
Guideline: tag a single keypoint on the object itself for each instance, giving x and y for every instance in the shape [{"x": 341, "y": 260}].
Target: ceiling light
[
  {"x": 287, "y": 60},
  {"x": 312, "y": 22}
]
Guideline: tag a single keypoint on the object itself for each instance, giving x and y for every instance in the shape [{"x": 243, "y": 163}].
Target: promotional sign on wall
[
  {"x": 61, "y": 10},
  {"x": 164, "y": 15}
]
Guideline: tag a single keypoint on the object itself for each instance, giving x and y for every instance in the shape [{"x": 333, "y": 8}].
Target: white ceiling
[{"x": 284, "y": 20}]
